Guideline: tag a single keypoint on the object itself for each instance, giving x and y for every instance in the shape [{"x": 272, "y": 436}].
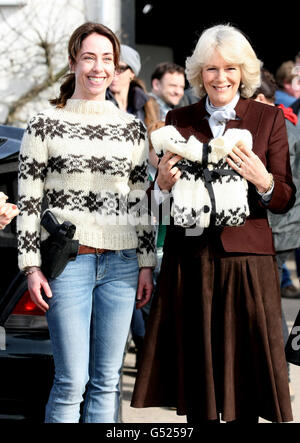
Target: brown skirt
[{"x": 214, "y": 340}]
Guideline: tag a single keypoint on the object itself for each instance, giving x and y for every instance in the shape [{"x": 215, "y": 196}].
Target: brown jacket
[{"x": 270, "y": 143}]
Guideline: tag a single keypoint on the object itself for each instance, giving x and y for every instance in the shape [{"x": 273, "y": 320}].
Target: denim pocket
[{"x": 128, "y": 254}]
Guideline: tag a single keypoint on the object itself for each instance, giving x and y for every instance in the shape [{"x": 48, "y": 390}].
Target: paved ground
[{"x": 166, "y": 415}]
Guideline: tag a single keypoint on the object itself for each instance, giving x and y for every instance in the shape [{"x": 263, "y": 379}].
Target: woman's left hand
[
  {"x": 249, "y": 166},
  {"x": 145, "y": 287}
]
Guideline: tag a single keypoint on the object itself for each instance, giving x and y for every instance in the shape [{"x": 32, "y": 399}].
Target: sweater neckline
[{"x": 89, "y": 106}]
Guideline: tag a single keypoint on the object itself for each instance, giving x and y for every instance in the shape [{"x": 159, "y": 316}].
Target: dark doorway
[{"x": 272, "y": 30}]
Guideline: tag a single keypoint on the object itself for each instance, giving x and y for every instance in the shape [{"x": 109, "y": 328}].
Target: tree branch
[{"x": 31, "y": 94}]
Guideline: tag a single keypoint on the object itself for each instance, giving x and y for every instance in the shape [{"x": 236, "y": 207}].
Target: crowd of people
[{"x": 194, "y": 284}]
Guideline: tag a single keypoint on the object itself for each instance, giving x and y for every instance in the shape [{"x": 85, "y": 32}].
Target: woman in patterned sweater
[{"x": 89, "y": 160}]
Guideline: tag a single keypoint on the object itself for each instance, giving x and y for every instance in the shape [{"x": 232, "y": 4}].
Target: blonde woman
[{"x": 214, "y": 346}]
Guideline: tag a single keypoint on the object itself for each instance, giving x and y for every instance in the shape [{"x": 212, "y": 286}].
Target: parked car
[{"x": 26, "y": 362}]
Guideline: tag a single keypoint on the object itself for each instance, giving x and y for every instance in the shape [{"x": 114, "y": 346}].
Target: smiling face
[
  {"x": 94, "y": 68},
  {"x": 221, "y": 79},
  {"x": 170, "y": 87}
]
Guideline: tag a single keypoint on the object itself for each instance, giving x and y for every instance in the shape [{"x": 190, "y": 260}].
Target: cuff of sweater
[
  {"x": 146, "y": 261},
  {"x": 30, "y": 259}
]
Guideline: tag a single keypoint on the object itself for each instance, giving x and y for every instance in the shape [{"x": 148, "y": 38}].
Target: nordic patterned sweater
[{"x": 89, "y": 159}]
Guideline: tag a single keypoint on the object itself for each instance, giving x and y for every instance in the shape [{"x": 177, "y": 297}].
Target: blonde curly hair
[{"x": 234, "y": 47}]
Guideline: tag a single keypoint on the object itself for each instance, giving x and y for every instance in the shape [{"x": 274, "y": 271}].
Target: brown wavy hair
[{"x": 68, "y": 86}]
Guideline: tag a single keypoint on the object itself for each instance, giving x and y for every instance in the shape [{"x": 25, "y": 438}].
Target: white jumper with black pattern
[{"x": 89, "y": 159}]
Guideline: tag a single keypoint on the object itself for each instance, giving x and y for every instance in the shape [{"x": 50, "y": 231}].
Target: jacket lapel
[{"x": 241, "y": 110}]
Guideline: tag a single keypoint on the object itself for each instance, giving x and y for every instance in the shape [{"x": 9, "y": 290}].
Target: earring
[{"x": 242, "y": 86}]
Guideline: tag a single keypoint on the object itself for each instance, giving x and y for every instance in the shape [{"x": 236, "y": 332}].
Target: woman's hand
[
  {"x": 7, "y": 212},
  {"x": 168, "y": 173},
  {"x": 37, "y": 283},
  {"x": 249, "y": 166},
  {"x": 145, "y": 287}
]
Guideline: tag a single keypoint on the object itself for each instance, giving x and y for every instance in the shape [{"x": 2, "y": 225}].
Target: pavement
[{"x": 167, "y": 415}]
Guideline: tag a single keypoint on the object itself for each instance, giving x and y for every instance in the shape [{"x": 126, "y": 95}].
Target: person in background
[
  {"x": 285, "y": 227},
  {"x": 88, "y": 159},
  {"x": 296, "y": 105},
  {"x": 188, "y": 98},
  {"x": 296, "y": 109},
  {"x": 7, "y": 211},
  {"x": 161, "y": 224},
  {"x": 285, "y": 76},
  {"x": 288, "y": 289},
  {"x": 128, "y": 92},
  {"x": 214, "y": 345},
  {"x": 167, "y": 82}
]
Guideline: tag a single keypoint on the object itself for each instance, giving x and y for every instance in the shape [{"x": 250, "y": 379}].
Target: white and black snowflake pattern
[
  {"x": 138, "y": 173},
  {"x": 28, "y": 241},
  {"x": 73, "y": 200},
  {"x": 190, "y": 170},
  {"x": 70, "y": 164},
  {"x": 29, "y": 167},
  {"x": 29, "y": 206},
  {"x": 43, "y": 126},
  {"x": 116, "y": 166},
  {"x": 231, "y": 217},
  {"x": 188, "y": 218},
  {"x": 105, "y": 202},
  {"x": 111, "y": 203},
  {"x": 146, "y": 242},
  {"x": 60, "y": 199}
]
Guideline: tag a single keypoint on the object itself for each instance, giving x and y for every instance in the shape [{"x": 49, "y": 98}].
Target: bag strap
[{"x": 210, "y": 176}]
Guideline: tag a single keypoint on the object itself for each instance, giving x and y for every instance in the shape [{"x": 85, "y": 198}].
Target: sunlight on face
[
  {"x": 94, "y": 68},
  {"x": 221, "y": 80}
]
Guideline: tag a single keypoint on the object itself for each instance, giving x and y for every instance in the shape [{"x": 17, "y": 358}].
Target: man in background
[
  {"x": 287, "y": 80},
  {"x": 167, "y": 82}
]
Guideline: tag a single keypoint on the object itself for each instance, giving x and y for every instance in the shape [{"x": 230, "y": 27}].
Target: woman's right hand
[
  {"x": 168, "y": 173},
  {"x": 37, "y": 283},
  {"x": 7, "y": 212}
]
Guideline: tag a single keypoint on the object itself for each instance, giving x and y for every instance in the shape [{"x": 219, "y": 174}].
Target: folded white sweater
[{"x": 208, "y": 191}]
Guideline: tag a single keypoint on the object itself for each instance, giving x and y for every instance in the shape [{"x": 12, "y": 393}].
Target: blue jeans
[{"x": 89, "y": 319}]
